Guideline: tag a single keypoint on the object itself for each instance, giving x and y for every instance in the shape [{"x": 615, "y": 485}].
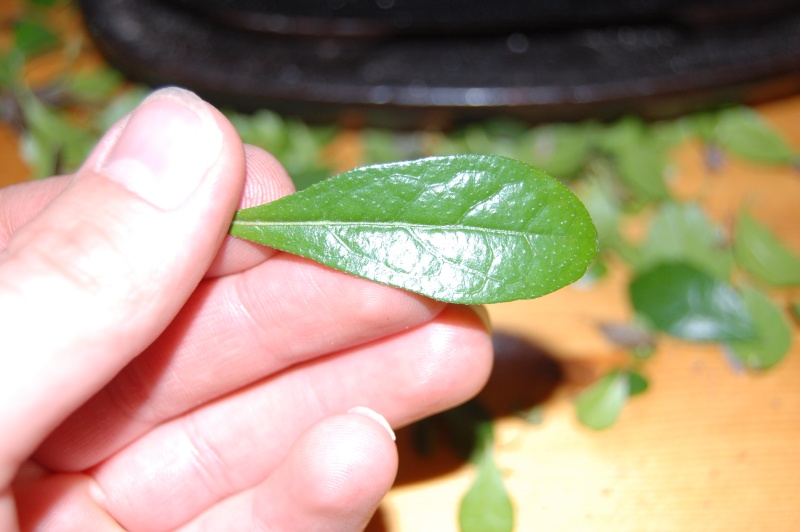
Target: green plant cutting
[{"x": 470, "y": 229}]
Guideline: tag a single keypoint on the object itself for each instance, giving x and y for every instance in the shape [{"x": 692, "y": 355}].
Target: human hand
[{"x": 157, "y": 374}]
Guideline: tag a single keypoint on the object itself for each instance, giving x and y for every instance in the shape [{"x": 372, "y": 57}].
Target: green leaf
[
  {"x": 622, "y": 135},
  {"x": 39, "y": 154},
  {"x": 637, "y": 383},
  {"x": 667, "y": 134},
  {"x": 759, "y": 252},
  {"x": 486, "y": 507},
  {"x": 641, "y": 166},
  {"x": 683, "y": 301},
  {"x": 96, "y": 86},
  {"x": 639, "y": 157},
  {"x": 264, "y": 128},
  {"x": 560, "y": 150},
  {"x": 463, "y": 229},
  {"x": 744, "y": 132},
  {"x": 702, "y": 124},
  {"x": 598, "y": 196},
  {"x": 774, "y": 335},
  {"x": 32, "y": 38},
  {"x": 51, "y": 143},
  {"x": 302, "y": 150},
  {"x": 599, "y": 406},
  {"x": 683, "y": 233},
  {"x": 11, "y": 64},
  {"x": 483, "y": 139}
]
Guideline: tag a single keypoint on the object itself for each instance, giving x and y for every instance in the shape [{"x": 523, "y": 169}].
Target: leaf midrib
[{"x": 392, "y": 225}]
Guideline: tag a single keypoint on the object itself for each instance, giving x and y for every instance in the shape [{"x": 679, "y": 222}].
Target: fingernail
[
  {"x": 165, "y": 150},
  {"x": 483, "y": 314},
  {"x": 373, "y": 415}
]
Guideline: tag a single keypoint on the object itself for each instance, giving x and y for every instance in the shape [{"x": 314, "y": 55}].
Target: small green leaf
[
  {"x": 561, "y": 150},
  {"x": 641, "y": 166},
  {"x": 488, "y": 140},
  {"x": 486, "y": 507},
  {"x": 264, "y": 128},
  {"x": 744, "y": 132},
  {"x": 302, "y": 151},
  {"x": 759, "y": 252},
  {"x": 96, "y": 86},
  {"x": 11, "y": 63},
  {"x": 668, "y": 134},
  {"x": 683, "y": 301},
  {"x": 774, "y": 336},
  {"x": 702, "y": 124},
  {"x": 32, "y": 38},
  {"x": 51, "y": 143},
  {"x": 637, "y": 383},
  {"x": 39, "y": 154},
  {"x": 598, "y": 196},
  {"x": 462, "y": 229},
  {"x": 599, "y": 406},
  {"x": 622, "y": 135},
  {"x": 683, "y": 233},
  {"x": 639, "y": 157}
]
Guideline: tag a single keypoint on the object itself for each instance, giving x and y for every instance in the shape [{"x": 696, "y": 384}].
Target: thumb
[{"x": 87, "y": 284}]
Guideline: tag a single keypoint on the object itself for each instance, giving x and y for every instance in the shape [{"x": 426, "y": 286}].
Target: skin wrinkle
[
  {"x": 242, "y": 303},
  {"x": 6, "y": 225},
  {"x": 209, "y": 462},
  {"x": 254, "y": 303},
  {"x": 22, "y": 202}
]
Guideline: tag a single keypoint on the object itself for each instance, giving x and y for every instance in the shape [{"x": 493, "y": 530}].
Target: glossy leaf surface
[
  {"x": 759, "y": 251},
  {"x": 688, "y": 303},
  {"x": 462, "y": 229}
]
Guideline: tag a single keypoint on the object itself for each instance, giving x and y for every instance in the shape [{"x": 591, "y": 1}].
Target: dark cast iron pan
[{"x": 412, "y": 63}]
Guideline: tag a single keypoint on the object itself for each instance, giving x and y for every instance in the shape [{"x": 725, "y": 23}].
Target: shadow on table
[{"x": 524, "y": 376}]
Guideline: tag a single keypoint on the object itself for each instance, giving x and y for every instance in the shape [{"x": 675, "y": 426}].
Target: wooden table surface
[{"x": 704, "y": 449}]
